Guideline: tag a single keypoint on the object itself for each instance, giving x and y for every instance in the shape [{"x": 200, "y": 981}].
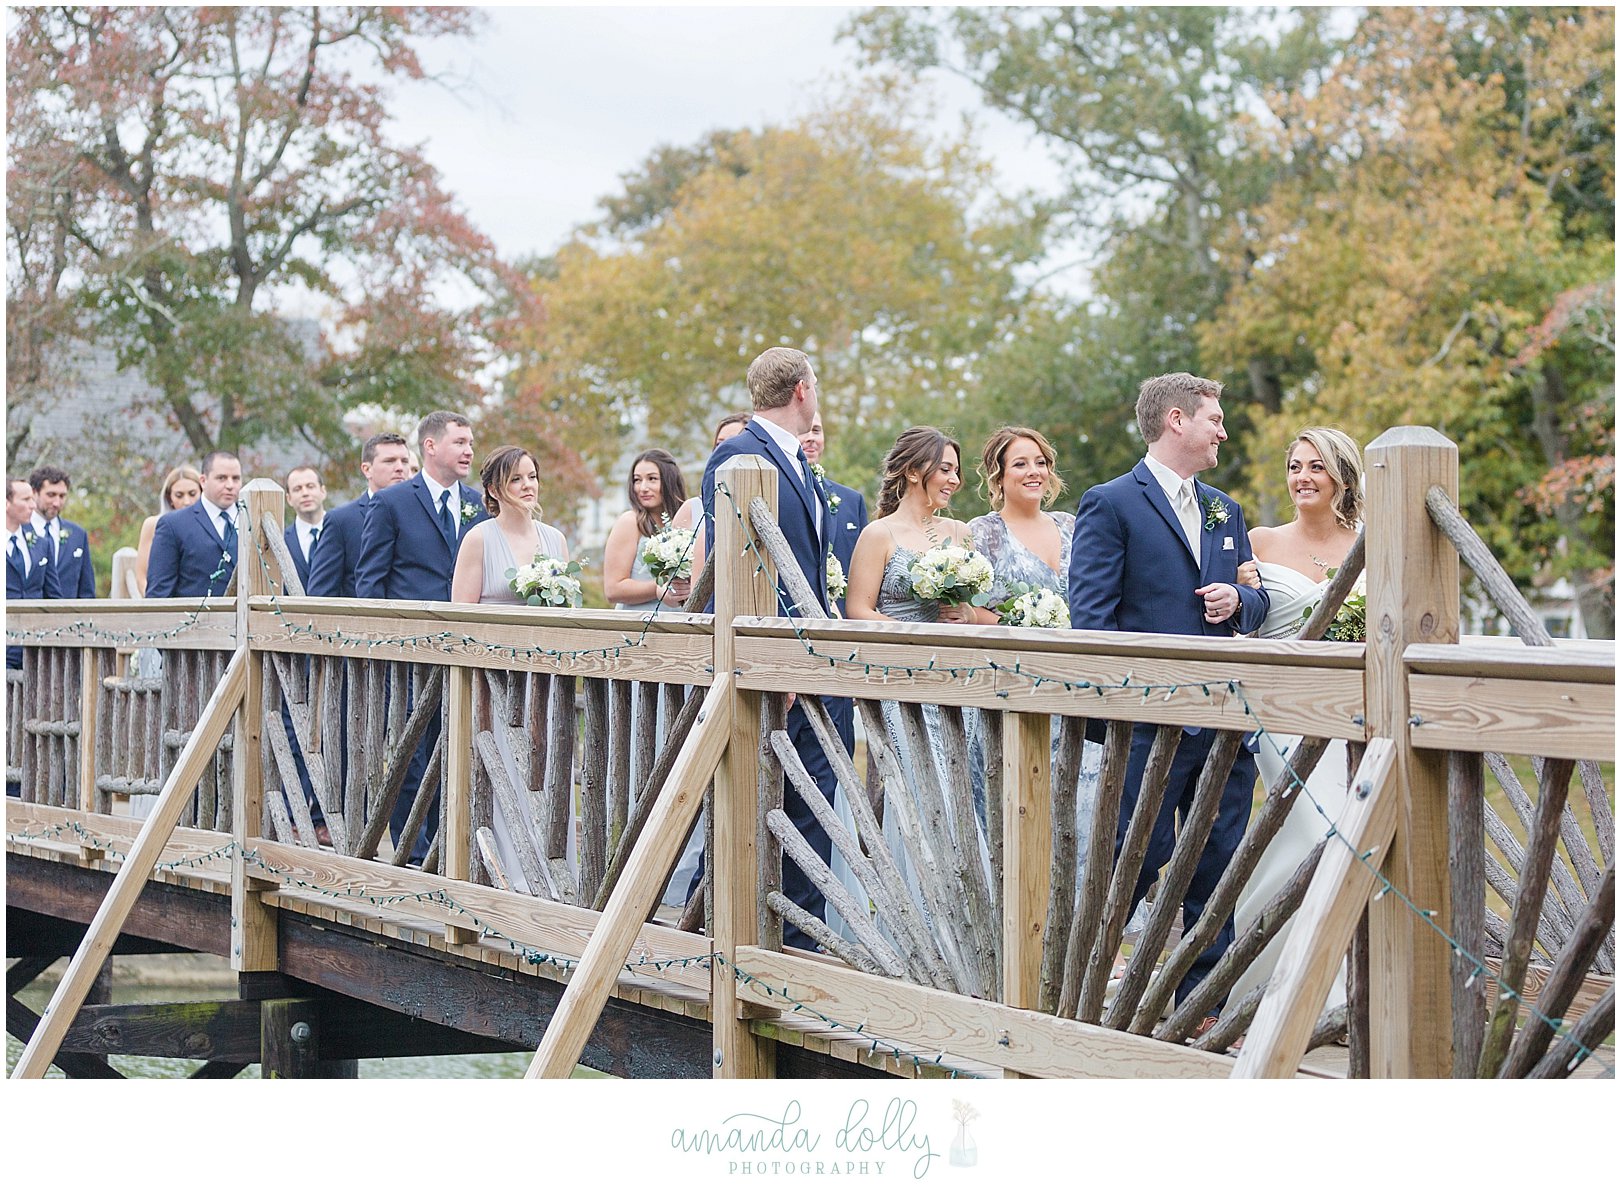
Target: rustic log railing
[{"x": 1001, "y": 963}]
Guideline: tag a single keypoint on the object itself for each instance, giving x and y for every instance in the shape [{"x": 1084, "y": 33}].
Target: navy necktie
[
  {"x": 229, "y": 535},
  {"x": 315, "y": 536},
  {"x": 447, "y": 525}
]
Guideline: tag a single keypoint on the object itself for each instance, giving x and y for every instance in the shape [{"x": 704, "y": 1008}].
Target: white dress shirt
[
  {"x": 790, "y": 446},
  {"x": 436, "y": 492},
  {"x": 306, "y": 536},
  {"x": 1184, "y": 500},
  {"x": 48, "y": 529},
  {"x": 220, "y": 516}
]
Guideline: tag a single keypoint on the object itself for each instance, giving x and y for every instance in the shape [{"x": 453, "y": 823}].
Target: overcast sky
[{"x": 546, "y": 107}]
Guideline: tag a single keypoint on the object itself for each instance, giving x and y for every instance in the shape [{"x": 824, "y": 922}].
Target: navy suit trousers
[{"x": 1232, "y": 818}]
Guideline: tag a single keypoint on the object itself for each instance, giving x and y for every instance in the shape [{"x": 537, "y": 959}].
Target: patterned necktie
[{"x": 447, "y": 523}]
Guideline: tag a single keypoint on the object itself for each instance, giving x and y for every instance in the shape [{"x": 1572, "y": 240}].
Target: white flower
[
  {"x": 469, "y": 511},
  {"x": 836, "y": 584},
  {"x": 1039, "y": 608},
  {"x": 546, "y": 582},
  {"x": 668, "y": 554},
  {"x": 950, "y": 574}
]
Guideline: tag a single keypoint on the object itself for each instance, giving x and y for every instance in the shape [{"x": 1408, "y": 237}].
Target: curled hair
[
  {"x": 996, "y": 447},
  {"x": 921, "y": 450},
  {"x": 48, "y": 473},
  {"x": 1343, "y": 462},
  {"x": 183, "y": 471},
  {"x": 497, "y": 470},
  {"x": 1174, "y": 390},
  {"x": 672, "y": 491}
]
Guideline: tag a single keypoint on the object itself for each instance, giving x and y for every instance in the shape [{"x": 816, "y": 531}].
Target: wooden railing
[{"x": 1004, "y": 963}]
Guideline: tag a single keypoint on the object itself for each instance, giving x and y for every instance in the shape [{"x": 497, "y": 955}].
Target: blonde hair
[
  {"x": 1344, "y": 464},
  {"x": 996, "y": 447},
  {"x": 184, "y": 471},
  {"x": 774, "y": 375}
]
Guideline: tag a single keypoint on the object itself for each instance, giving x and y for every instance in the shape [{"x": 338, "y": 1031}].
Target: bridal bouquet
[
  {"x": 546, "y": 582},
  {"x": 950, "y": 574},
  {"x": 1350, "y": 622},
  {"x": 836, "y": 584},
  {"x": 669, "y": 554},
  {"x": 1028, "y": 606}
]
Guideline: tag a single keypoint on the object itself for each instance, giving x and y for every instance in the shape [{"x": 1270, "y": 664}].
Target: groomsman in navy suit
[
  {"x": 194, "y": 549},
  {"x": 1157, "y": 551},
  {"x": 783, "y": 387},
  {"x": 385, "y": 460},
  {"x": 308, "y": 497},
  {"x": 69, "y": 545},
  {"x": 29, "y": 572},
  {"x": 408, "y": 552},
  {"x": 849, "y": 506}
]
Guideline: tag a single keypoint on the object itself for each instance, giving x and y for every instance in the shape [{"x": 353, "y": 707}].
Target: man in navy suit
[
  {"x": 29, "y": 572},
  {"x": 1157, "y": 551},
  {"x": 385, "y": 460},
  {"x": 849, "y": 506},
  {"x": 194, "y": 549},
  {"x": 308, "y": 496},
  {"x": 408, "y": 552},
  {"x": 783, "y": 387},
  {"x": 68, "y": 544}
]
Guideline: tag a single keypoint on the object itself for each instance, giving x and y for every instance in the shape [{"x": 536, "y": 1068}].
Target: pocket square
[
  {"x": 1227, "y": 543},
  {"x": 78, "y": 553}
]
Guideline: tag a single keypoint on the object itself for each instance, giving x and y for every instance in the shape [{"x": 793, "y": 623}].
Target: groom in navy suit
[
  {"x": 1157, "y": 551},
  {"x": 783, "y": 387},
  {"x": 408, "y": 550}
]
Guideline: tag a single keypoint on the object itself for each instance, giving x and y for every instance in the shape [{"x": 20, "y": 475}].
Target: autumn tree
[
  {"x": 185, "y": 181},
  {"x": 1444, "y": 255},
  {"x": 845, "y": 234},
  {"x": 1140, "y": 105}
]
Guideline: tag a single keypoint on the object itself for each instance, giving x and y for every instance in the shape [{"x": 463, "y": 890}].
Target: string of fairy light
[{"x": 1018, "y": 670}]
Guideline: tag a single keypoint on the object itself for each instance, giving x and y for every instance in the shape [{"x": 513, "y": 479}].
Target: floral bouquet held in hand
[
  {"x": 950, "y": 575},
  {"x": 1350, "y": 622},
  {"x": 1028, "y": 606},
  {"x": 546, "y": 582},
  {"x": 836, "y": 582},
  {"x": 669, "y": 554}
]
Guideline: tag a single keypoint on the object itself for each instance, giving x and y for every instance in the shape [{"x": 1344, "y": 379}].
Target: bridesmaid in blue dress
[{"x": 1027, "y": 543}]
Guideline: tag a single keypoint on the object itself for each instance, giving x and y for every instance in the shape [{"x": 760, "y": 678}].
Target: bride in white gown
[
  {"x": 487, "y": 551},
  {"x": 1294, "y": 561}
]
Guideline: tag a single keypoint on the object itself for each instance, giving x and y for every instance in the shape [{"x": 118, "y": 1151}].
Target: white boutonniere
[
  {"x": 1215, "y": 512},
  {"x": 469, "y": 512},
  {"x": 833, "y": 500},
  {"x": 28, "y": 536}
]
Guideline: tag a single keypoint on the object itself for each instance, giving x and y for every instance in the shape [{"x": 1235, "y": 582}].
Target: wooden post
[
  {"x": 89, "y": 687},
  {"x": 455, "y": 830},
  {"x": 1026, "y": 854},
  {"x": 745, "y": 584},
  {"x": 253, "y": 923},
  {"x": 1412, "y": 599}
]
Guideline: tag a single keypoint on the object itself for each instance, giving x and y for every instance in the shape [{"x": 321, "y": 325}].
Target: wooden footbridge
[{"x": 1478, "y": 944}]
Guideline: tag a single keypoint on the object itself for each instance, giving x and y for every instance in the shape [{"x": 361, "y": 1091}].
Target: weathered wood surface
[
  {"x": 98, "y": 623},
  {"x": 1569, "y": 720},
  {"x": 1317, "y": 699}
]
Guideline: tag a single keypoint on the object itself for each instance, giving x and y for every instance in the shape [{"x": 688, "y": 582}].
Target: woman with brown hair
[
  {"x": 512, "y": 538},
  {"x": 658, "y": 500}
]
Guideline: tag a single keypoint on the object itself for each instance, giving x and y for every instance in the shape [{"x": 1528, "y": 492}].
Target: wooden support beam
[
  {"x": 89, "y": 688},
  {"x": 745, "y": 584},
  {"x": 456, "y": 815},
  {"x": 1412, "y": 599},
  {"x": 223, "y": 1030},
  {"x": 638, "y": 890},
  {"x": 197, "y": 754},
  {"x": 1026, "y": 852},
  {"x": 1327, "y": 918}
]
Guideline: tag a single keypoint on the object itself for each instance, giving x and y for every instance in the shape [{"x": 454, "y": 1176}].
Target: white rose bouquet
[
  {"x": 1028, "y": 606},
  {"x": 836, "y": 583},
  {"x": 546, "y": 582},
  {"x": 950, "y": 574},
  {"x": 1350, "y": 622},
  {"x": 669, "y": 554}
]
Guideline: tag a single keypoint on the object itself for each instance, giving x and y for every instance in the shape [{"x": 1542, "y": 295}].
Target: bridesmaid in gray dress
[
  {"x": 1027, "y": 543},
  {"x": 921, "y": 473},
  {"x": 488, "y": 550}
]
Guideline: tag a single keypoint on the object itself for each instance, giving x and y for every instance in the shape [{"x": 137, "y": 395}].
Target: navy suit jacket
[
  {"x": 300, "y": 562},
  {"x": 1130, "y": 569},
  {"x": 795, "y": 506},
  {"x": 337, "y": 553},
  {"x": 403, "y": 553},
  {"x": 188, "y": 558},
  {"x": 849, "y": 518},
  {"x": 38, "y": 583},
  {"x": 75, "y": 575}
]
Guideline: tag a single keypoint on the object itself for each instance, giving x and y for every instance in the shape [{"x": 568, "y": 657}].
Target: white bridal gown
[{"x": 1293, "y": 596}]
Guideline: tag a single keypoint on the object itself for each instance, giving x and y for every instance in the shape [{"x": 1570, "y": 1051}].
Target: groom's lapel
[
  {"x": 1207, "y": 536},
  {"x": 789, "y": 469},
  {"x": 1155, "y": 494}
]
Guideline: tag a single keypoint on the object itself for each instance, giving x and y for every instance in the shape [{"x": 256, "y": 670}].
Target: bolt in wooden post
[
  {"x": 1412, "y": 599},
  {"x": 253, "y": 924},
  {"x": 745, "y": 584}
]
